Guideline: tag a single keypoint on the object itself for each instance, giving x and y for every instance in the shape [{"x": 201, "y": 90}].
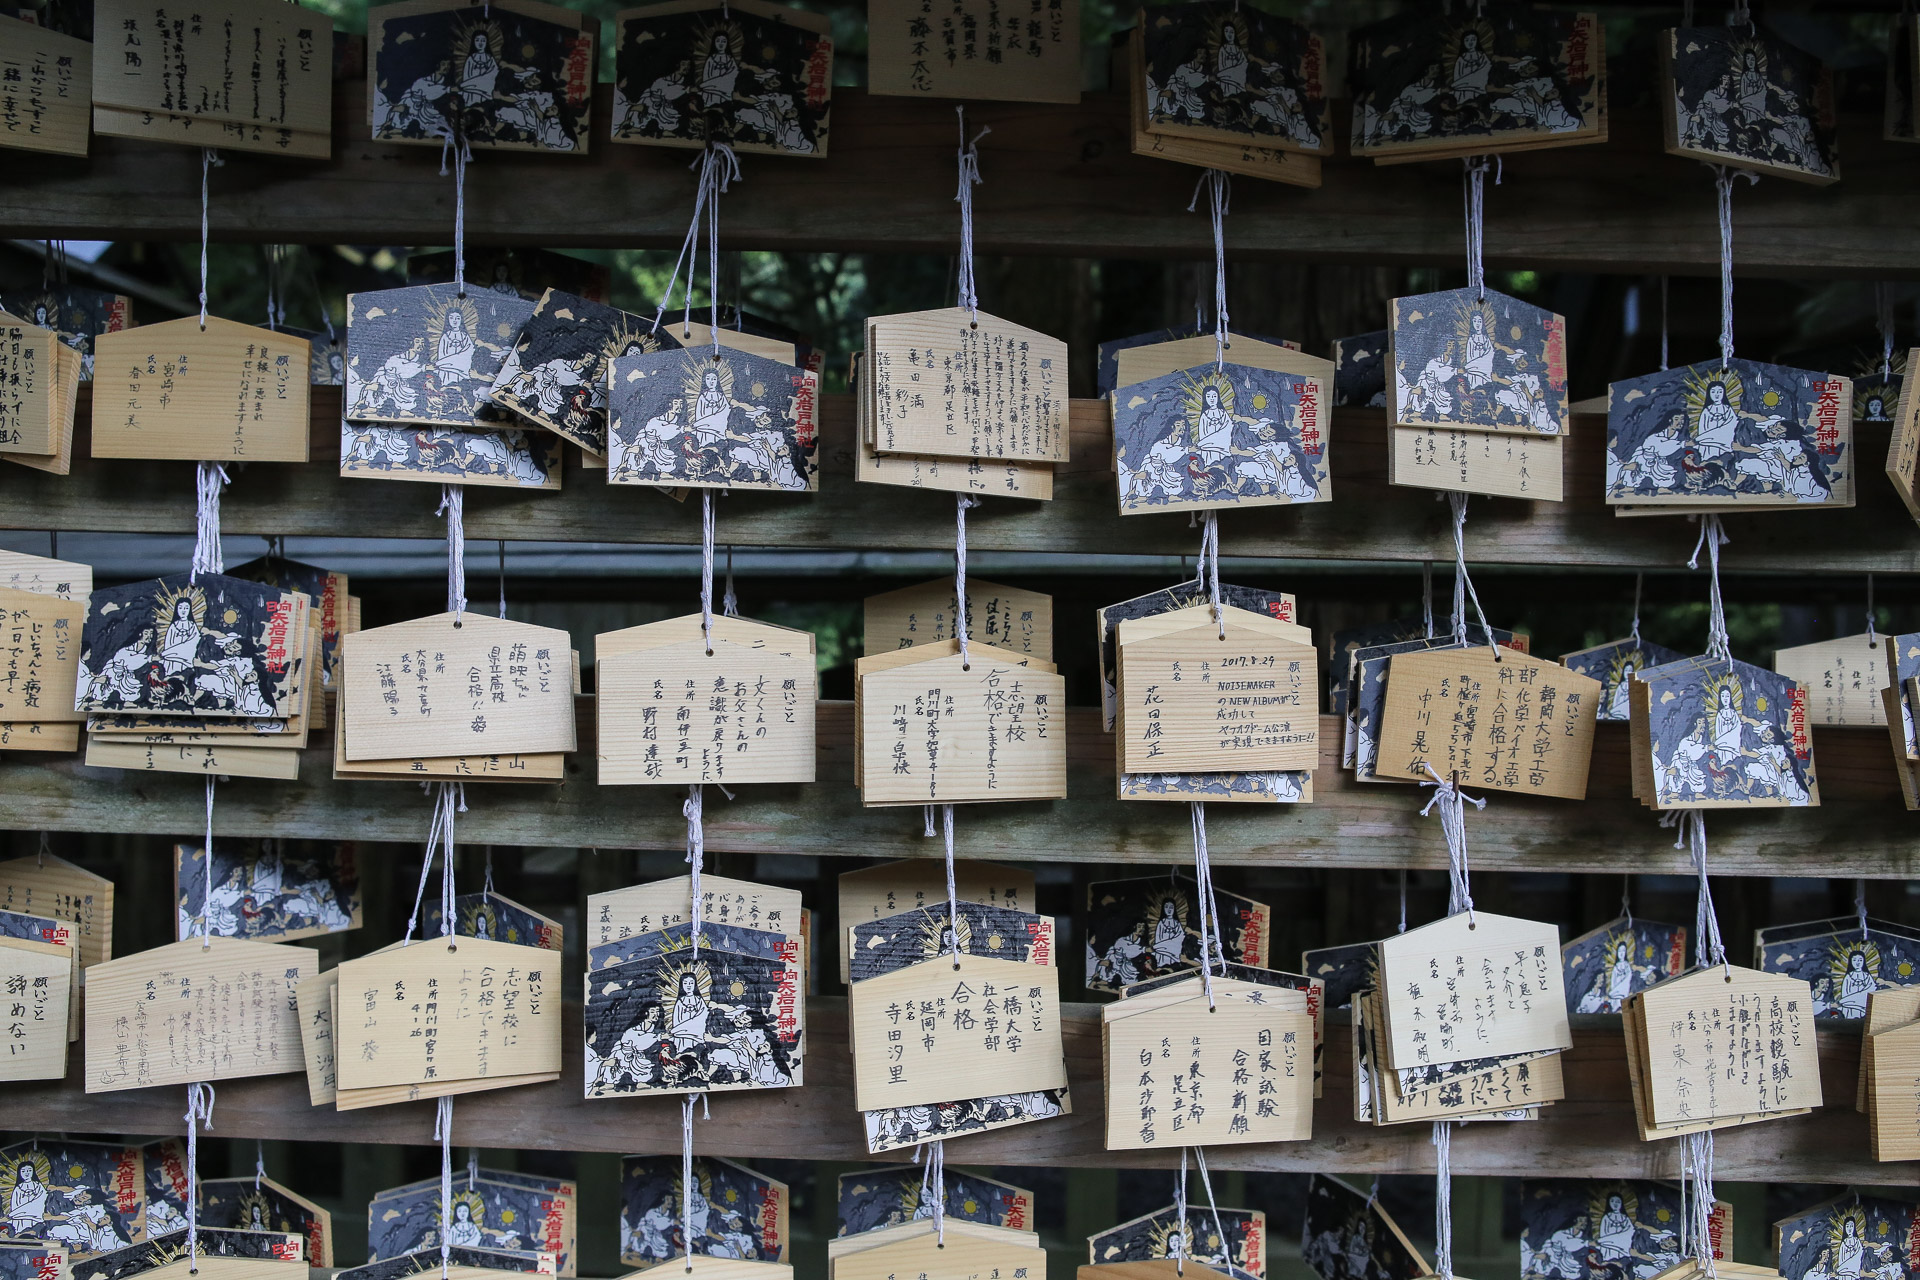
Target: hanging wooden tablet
[
  {"x": 261, "y": 893},
  {"x": 913, "y": 884},
  {"x": 1192, "y": 702},
  {"x": 1256, "y": 349},
  {"x": 427, "y": 355},
  {"x": 40, "y": 638},
  {"x": 1709, "y": 734},
  {"x": 176, "y": 390},
  {"x": 1209, "y": 437},
  {"x": 496, "y": 686},
  {"x": 953, "y": 385},
  {"x": 1491, "y": 719},
  {"x": 1244, "y": 158},
  {"x": 1229, "y": 75},
  {"x": 1367, "y": 693},
  {"x": 755, "y": 76},
  {"x": 37, "y": 990},
  {"x": 77, "y": 313},
  {"x": 216, "y": 646},
  {"x": 1236, "y": 1068},
  {"x": 953, "y": 475},
  {"x": 1614, "y": 664},
  {"x": 1469, "y": 987},
  {"x": 1741, "y": 97},
  {"x": 49, "y": 885},
  {"x": 706, "y": 420},
  {"x": 1565, "y": 1222},
  {"x": 1842, "y": 679},
  {"x": 1875, "y": 1232},
  {"x": 201, "y": 1010},
  {"x": 325, "y": 588},
  {"x": 868, "y": 1199},
  {"x": 1843, "y": 961},
  {"x": 62, "y": 578},
  {"x": 1345, "y": 1226},
  {"x": 898, "y": 1128},
  {"x": 1507, "y": 1087},
  {"x": 974, "y": 50},
  {"x": 1141, "y": 929},
  {"x": 1223, "y": 1240},
  {"x": 497, "y": 918},
  {"x": 1704, "y": 437},
  {"x": 511, "y": 76},
  {"x": 770, "y": 341},
  {"x": 1500, "y": 464},
  {"x": 1277, "y": 605},
  {"x": 1006, "y": 617},
  {"x": 460, "y": 1264},
  {"x": 556, "y": 375},
  {"x": 29, "y": 401},
  {"x": 1876, "y": 395},
  {"x": 506, "y": 1213},
  {"x": 81, "y": 1198},
  {"x": 936, "y": 729},
  {"x": 1723, "y": 1045},
  {"x": 1605, "y": 965},
  {"x": 258, "y": 1203},
  {"x": 50, "y": 78},
  {"x": 1429, "y": 85},
  {"x": 1477, "y": 359},
  {"x": 510, "y": 459},
  {"x": 218, "y": 1255},
  {"x": 959, "y": 1250},
  {"x": 1903, "y": 449},
  {"x": 262, "y": 67},
  {"x": 877, "y": 947},
  {"x": 645, "y": 908}
]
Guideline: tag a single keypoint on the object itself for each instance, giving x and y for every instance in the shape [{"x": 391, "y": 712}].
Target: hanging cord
[
  {"x": 453, "y": 505},
  {"x": 1474, "y": 171},
  {"x": 209, "y": 159},
  {"x": 969, "y": 158},
  {"x": 1883, "y": 317},
  {"x": 199, "y": 1116},
  {"x": 933, "y": 1184},
  {"x": 729, "y": 602},
  {"x": 503, "y": 576},
  {"x": 686, "y": 1169},
  {"x": 273, "y": 280},
  {"x": 209, "y": 479},
  {"x": 961, "y": 503},
  {"x": 1463, "y": 588},
  {"x": 1708, "y": 949},
  {"x": 1452, "y": 803},
  {"x": 706, "y": 568},
  {"x": 486, "y": 884},
  {"x": 1426, "y": 597},
  {"x": 1403, "y": 913},
  {"x": 953, "y": 892},
  {"x": 206, "y": 894},
  {"x": 1860, "y": 905},
  {"x": 461, "y": 154},
  {"x": 1696, "y": 1198},
  {"x": 1873, "y": 637},
  {"x": 1713, "y": 537},
  {"x": 1180, "y": 1218},
  {"x": 719, "y": 169},
  {"x": 1443, "y": 1199},
  {"x": 1210, "y": 947},
  {"x": 1626, "y": 898},
  {"x": 443, "y": 1134},
  {"x": 1663, "y": 324},
  {"x": 1219, "y": 188},
  {"x": 694, "y": 810},
  {"x": 1639, "y": 581},
  {"x": 259, "y": 1163},
  {"x": 1723, "y": 179},
  {"x": 1207, "y": 568},
  {"x": 448, "y": 799},
  {"x": 1206, "y": 1184}
]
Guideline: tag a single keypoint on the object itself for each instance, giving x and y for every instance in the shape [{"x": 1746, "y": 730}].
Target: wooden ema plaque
[
  {"x": 1157, "y": 359},
  {"x": 457, "y": 684},
  {"x": 1186, "y": 1073},
  {"x": 1887, "y": 1008},
  {"x": 1193, "y": 702},
  {"x": 29, "y": 370},
  {"x": 971, "y": 1251},
  {"x": 51, "y": 886},
  {"x": 974, "y": 51},
  {"x": 1006, "y": 617},
  {"x": 1842, "y": 678},
  {"x": 250, "y": 75},
  {"x": 1489, "y": 718},
  {"x": 960, "y": 1026},
  {"x": 63, "y": 578},
  {"x": 1483, "y": 1088},
  {"x": 449, "y": 1009},
  {"x": 931, "y": 728},
  {"x": 1891, "y": 1060},
  {"x": 1470, "y": 987},
  {"x": 658, "y": 904},
  {"x": 1721, "y": 1046},
  {"x": 196, "y": 1011},
  {"x": 176, "y": 391},
  {"x": 39, "y": 656},
  {"x": 1498, "y": 464},
  {"x": 947, "y": 385},
  {"x": 914, "y": 884},
  {"x": 37, "y": 990},
  {"x": 918, "y": 471},
  {"x": 1903, "y": 449},
  {"x": 673, "y": 710},
  {"x": 49, "y": 106}
]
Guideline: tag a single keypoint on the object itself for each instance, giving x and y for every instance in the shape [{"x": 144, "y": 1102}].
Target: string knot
[
  {"x": 1723, "y": 179},
  {"x": 1219, "y": 189},
  {"x": 969, "y": 166},
  {"x": 1708, "y": 949},
  {"x": 453, "y": 505},
  {"x": 210, "y": 478},
  {"x": 1712, "y": 537},
  {"x": 694, "y": 810},
  {"x": 1474, "y": 170},
  {"x": 1451, "y": 802}
]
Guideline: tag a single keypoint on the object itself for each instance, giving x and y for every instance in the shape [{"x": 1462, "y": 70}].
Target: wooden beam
[
  {"x": 1861, "y": 830},
  {"x": 1590, "y": 1135},
  {"x": 1368, "y": 519},
  {"x": 1060, "y": 180}
]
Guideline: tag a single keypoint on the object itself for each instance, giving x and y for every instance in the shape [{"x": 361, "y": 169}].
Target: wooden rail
[
  {"x": 1861, "y": 830},
  {"x": 1368, "y": 519}
]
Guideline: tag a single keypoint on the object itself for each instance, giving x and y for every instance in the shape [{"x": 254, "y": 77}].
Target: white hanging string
[
  {"x": 969, "y": 161},
  {"x": 209, "y": 479},
  {"x": 486, "y": 884},
  {"x": 719, "y": 170},
  {"x": 448, "y": 799},
  {"x": 1883, "y": 317},
  {"x": 1207, "y": 568},
  {"x": 1474, "y": 170},
  {"x": 209, "y": 159},
  {"x": 953, "y": 893},
  {"x": 706, "y": 567},
  {"x": 1219, "y": 188},
  {"x": 729, "y": 602},
  {"x": 1723, "y": 179},
  {"x": 206, "y": 894},
  {"x": 46, "y": 847},
  {"x": 1696, "y": 1199},
  {"x": 686, "y": 1171},
  {"x": 961, "y": 503},
  {"x": 1708, "y": 949},
  {"x": 1209, "y": 909},
  {"x": 694, "y": 810},
  {"x": 1180, "y": 1218},
  {"x": 1426, "y": 596},
  {"x": 1403, "y": 900},
  {"x": 1639, "y": 581},
  {"x": 1463, "y": 588},
  {"x": 443, "y": 1134},
  {"x": 1443, "y": 1199},
  {"x": 271, "y": 254},
  {"x": 1206, "y": 1184},
  {"x": 1452, "y": 802},
  {"x": 462, "y": 155},
  {"x": 1663, "y": 324},
  {"x": 503, "y": 576},
  {"x": 1860, "y": 905},
  {"x": 933, "y": 1184},
  {"x": 1873, "y": 637},
  {"x": 259, "y": 1163},
  {"x": 1713, "y": 537},
  {"x": 199, "y": 1115},
  {"x": 1626, "y": 897},
  {"x": 453, "y": 505}
]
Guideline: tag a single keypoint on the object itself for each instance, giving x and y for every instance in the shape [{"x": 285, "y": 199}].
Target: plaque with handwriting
[
  {"x": 225, "y": 392},
  {"x": 63, "y": 578},
  {"x": 39, "y": 656},
  {"x": 950, "y": 385},
  {"x": 313, "y": 999},
  {"x": 911, "y": 884},
  {"x": 28, "y": 375},
  {"x": 1191, "y": 702},
  {"x": 1500, "y": 464},
  {"x": 202, "y": 1010},
  {"x": 49, "y": 81},
  {"x": 975, "y": 50},
  {"x": 660, "y": 904},
  {"x": 1724, "y": 1043},
  {"x": 1494, "y": 719},
  {"x": 1468, "y": 987},
  {"x": 1007, "y": 617},
  {"x": 36, "y": 991},
  {"x": 51, "y": 886},
  {"x": 1842, "y": 679}
]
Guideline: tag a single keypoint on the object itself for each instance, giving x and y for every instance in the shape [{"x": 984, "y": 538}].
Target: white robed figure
[
  {"x": 1614, "y": 1240},
  {"x": 1855, "y": 987},
  {"x": 1714, "y": 433},
  {"x": 1685, "y": 772},
  {"x": 1850, "y": 1254},
  {"x": 1470, "y": 68},
  {"x": 718, "y": 74},
  {"x": 463, "y": 1233},
  {"x": 1230, "y": 63},
  {"x": 454, "y": 356},
  {"x": 1169, "y": 937},
  {"x": 711, "y": 412},
  {"x": 181, "y": 644},
  {"x": 478, "y": 73},
  {"x": 690, "y": 1013},
  {"x": 1213, "y": 432},
  {"x": 1620, "y": 704},
  {"x": 27, "y": 1203},
  {"x": 1620, "y": 974},
  {"x": 1727, "y": 722},
  {"x": 1478, "y": 365}
]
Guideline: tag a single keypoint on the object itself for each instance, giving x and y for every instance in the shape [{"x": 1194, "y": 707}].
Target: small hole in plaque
[
  {"x": 709, "y": 653},
  {"x": 971, "y": 324}
]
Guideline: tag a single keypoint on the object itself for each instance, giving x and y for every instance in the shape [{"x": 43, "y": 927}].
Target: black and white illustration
[
  {"x": 78, "y": 314},
  {"x": 1746, "y": 432},
  {"x": 159, "y": 1250},
  {"x": 1598, "y": 1230},
  {"x": 680, "y": 1022},
  {"x": 1348, "y": 639},
  {"x": 1843, "y": 962},
  {"x": 1492, "y": 363},
  {"x": 1217, "y": 70},
  {"x": 87, "y": 1197},
  {"x": 265, "y": 893},
  {"x": 1284, "y": 786},
  {"x": 1614, "y": 664},
  {"x": 429, "y": 1261},
  {"x": 32, "y": 1260},
  {"x": 1742, "y": 97},
  {"x": 556, "y": 375},
  {"x": 1220, "y": 437},
  {"x": 486, "y": 1215},
  {"x": 1876, "y": 395},
  {"x": 895, "y": 942},
  {"x": 1165, "y": 1234},
  {"x": 1360, "y": 371},
  {"x": 1458, "y": 79},
  {"x": 1604, "y": 966},
  {"x": 1727, "y": 734},
  {"x": 497, "y": 919},
  {"x": 711, "y": 419},
  {"x": 510, "y": 75},
  {"x": 734, "y": 1212},
  {"x": 164, "y": 1164},
  {"x": 1181, "y": 595},
  {"x": 217, "y": 646},
  {"x": 887, "y": 1197},
  {"x": 325, "y": 589},
  {"x": 32, "y": 928},
  {"x": 1852, "y": 1236},
  {"x": 757, "y": 77},
  {"x": 896, "y": 1128},
  {"x": 327, "y": 365},
  {"x": 426, "y": 355},
  {"x": 258, "y": 1204},
  {"x": 1348, "y": 1236},
  {"x": 764, "y": 943},
  {"x": 1345, "y": 970},
  {"x": 1144, "y": 928},
  {"x": 442, "y": 455}
]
